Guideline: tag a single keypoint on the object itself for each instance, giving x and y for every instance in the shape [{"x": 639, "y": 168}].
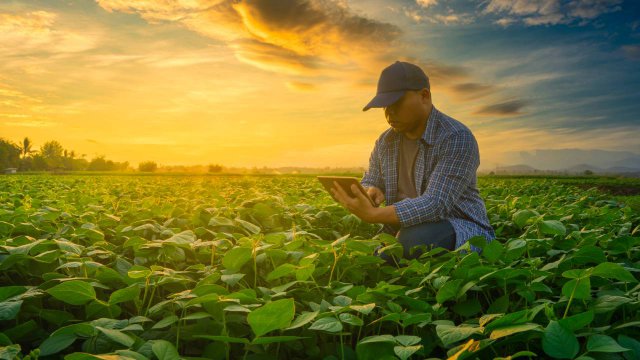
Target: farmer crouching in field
[{"x": 424, "y": 167}]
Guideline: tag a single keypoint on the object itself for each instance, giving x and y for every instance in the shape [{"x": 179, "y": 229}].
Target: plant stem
[{"x": 566, "y": 310}]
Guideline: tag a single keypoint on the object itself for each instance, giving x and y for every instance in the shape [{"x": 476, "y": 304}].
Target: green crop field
[{"x": 169, "y": 267}]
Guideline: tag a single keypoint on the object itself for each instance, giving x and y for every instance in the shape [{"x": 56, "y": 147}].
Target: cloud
[
  {"x": 29, "y": 123},
  {"x": 549, "y": 12},
  {"x": 23, "y": 33},
  {"x": 472, "y": 90},
  {"x": 300, "y": 86},
  {"x": 426, "y": 3},
  {"x": 507, "y": 108},
  {"x": 439, "y": 72},
  {"x": 452, "y": 18},
  {"x": 631, "y": 51},
  {"x": 13, "y": 98},
  {"x": 286, "y": 36},
  {"x": 591, "y": 9}
]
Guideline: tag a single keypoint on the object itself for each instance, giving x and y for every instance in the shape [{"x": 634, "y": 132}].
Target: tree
[
  {"x": 26, "y": 147},
  {"x": 215, "y": 168},
  {"x": 147, "y": 166},
  {"x": 52, "y": 152},
  {"x": 9, "y": 154}
]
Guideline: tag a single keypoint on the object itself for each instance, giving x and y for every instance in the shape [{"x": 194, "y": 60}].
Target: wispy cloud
[
  {"x": 288, "y": 36},
  {"x": 472, "y": 90},
  {"x": 30, "y": 123},
  {"x": 300, "y": 86},
  {"x": 507, "y": 108},
  {"x": 24, "y": 33},
  {"x": 549, "y": 12}
]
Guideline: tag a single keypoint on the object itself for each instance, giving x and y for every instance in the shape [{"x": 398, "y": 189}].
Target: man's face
[{"x": 407, "y": 114}]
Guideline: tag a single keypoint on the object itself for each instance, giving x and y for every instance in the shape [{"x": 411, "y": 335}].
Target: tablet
[{"x": 345, "y": 183}]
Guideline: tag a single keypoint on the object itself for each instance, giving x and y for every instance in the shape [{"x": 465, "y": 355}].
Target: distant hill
[{"x": 580, "y": 169}]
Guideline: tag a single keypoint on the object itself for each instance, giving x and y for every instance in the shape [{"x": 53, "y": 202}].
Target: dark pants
[{"x": 429, "y": 235}]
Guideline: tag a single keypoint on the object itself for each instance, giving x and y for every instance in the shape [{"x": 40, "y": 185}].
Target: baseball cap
[{"x": 394, "y": 80}]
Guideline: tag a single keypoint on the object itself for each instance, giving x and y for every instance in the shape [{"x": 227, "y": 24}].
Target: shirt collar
[{"x": 429, "y": 134}]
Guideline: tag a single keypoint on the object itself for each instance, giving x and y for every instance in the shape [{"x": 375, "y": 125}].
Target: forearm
[{"x": 384, "y": 215}]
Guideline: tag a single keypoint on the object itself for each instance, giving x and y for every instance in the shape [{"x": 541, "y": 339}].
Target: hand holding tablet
[{"x": 345, "y": 183}]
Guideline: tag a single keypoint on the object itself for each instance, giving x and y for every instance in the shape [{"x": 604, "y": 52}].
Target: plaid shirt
[{"x": 445, "y": 176}]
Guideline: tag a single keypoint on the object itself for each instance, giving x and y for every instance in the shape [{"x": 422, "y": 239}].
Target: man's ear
[{"x": 425, "y": 96}]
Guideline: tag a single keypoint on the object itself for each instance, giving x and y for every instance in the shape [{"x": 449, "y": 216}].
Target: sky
[{"x": 282, "y": 83}]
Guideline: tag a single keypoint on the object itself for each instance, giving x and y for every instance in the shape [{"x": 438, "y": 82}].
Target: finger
[
  {"x": 357, "y": 192},
  {"x": 340, "y": 191},
  {"x": 337, "y": 197}
]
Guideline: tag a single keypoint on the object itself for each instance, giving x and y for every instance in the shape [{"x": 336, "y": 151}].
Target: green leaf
[
  {"x": 7, "y": 292},
  {"x": 9, "y": 309},
  {"x": 378, "y": 347},
  {"x": 450, "y": 334},
  {"x": 632, "y": 344},
  {"x": 363, "y": 309},
  {"x": 350, "y": 319},
  {"x": 280, "y": 271},
  {"x": 131, "y": 354},
  {"x": 378, "y": 338},
  {"x": 607, "y": 303},
  {"x": 166, "y": 322},
  {"x": 520, "y": 217},
  {"x": 579, "y": 288},
  {"x": 449, "y": 290},
  {"x": 559, "y": 342},
  {"x": 328, "y": 324},
  {"x": 85, "y": 356},
  {"x": 10, "y": 352},
  {"x": 405, "y": 352},
  {"x": 305, "y": 272},
  {"x": 604, "y": 343},
  {"x": 56, "y": 343},
  {"x": 235, "y": 258},
  {"x": 164, "y": 350},
  {"x": 138, "y": 272},
  {"x": 513, "y": 329},
  {"x": 232, "y": 279},
  {"x": 127, "y": 294},
  {"x": 224, "y": 339},
  {"x": 578, "y": 321},
  {"x": 73, "y": 292},
  {"x": 251, "y": 228},
  {"x": 117, "y": 336},
  {"x": 271, "y": 316},
  {"x": 407, "y": 340},
  {"x": 492, "y": 251},
  {"x": 518, "y": 317},
  {"x": 303, "y": 319},
  {"x": 275, "y": 339},
  {"x": 613, "y": 271},
  {"x": 552, "y": 227}
]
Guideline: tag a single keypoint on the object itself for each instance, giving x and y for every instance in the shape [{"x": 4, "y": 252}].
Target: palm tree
[{"x": 26, "y": 147}]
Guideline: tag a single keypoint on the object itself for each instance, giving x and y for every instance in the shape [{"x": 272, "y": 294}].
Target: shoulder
[
  {"x": 454, "y": 133},
  {"x": 451, "y": 127}
]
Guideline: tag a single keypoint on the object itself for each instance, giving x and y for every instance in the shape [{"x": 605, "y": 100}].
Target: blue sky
[{"x": 252, "y": 83}]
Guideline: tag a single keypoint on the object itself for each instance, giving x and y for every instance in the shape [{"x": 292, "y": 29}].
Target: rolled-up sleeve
[
  {"x": 458, "y": 159},
  {"x": 373, "y": 175}
]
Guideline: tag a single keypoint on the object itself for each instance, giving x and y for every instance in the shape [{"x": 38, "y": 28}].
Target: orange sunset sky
[{"x": 283, "y": 83}]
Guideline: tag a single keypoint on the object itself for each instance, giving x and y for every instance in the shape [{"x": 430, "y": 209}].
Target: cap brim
[{"x": 384, "y": 99}]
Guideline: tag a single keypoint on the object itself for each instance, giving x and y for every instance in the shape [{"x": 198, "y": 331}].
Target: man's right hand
[{"x": 376, "y": 195}]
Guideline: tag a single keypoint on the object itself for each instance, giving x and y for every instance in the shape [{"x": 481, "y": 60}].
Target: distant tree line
[{"x": 51, "y": 157}]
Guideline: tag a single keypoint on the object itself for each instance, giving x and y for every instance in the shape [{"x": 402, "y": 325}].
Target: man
[{"x": 424, "y": 167}]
